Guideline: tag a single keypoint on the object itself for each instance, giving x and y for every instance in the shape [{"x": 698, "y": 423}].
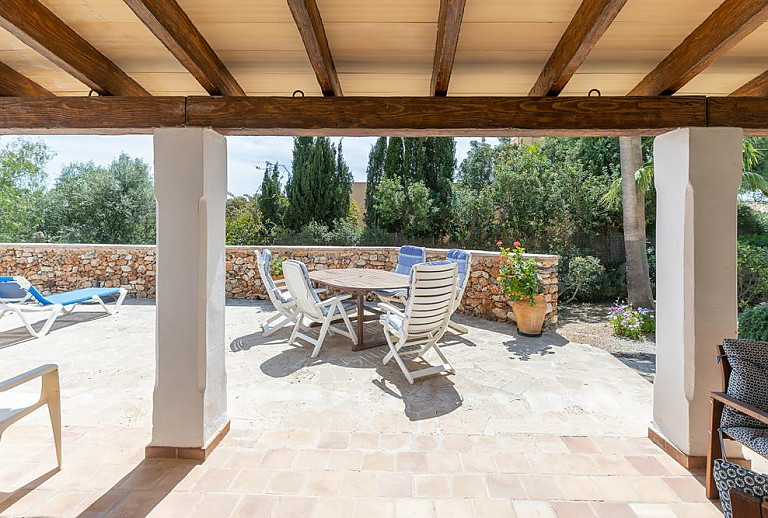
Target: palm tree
[{"x": 633, "y": 171}]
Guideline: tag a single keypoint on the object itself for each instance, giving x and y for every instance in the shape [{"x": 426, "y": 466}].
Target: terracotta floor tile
[
  {"x": 468, "y": 485},
  {"x": 333, "y": 440},
  {"x": 374, "y": 508},
  {"x": 251, "y": 506},
  {"x": 581, "y": 445},
  {"x": 573, "y": 510},
  {"x": 444, "y": 462},
  {"x": 494, "y": 508},
  {"x": 244, "y": 458},
  {"x": 612, "y": 510},
  {"x": 286, "y": 483},
  {"x": 533, "y": 509},
  {"x": 454, "y": 508},
  {"x": 359, "y": 483},
  {"x": 180, "y": 503},
  {"x": 687, "y": 489},
  {"x": 334, "y": 508},
  {"x": 379, "y": 461},
  {"x": 294, "y": 506},
  {"x": 541, "y": 487},
  {"x": 345, "y": 460},
  {"x": 412, "y": 461},
  {"x": 395, "y": 485},
  {"x": 504, "y": 485},
  {"x": 278, "y": 459},
  {"x": 323, "y": 483},
  {"x": 432, "y": 485},
  {"x": 395, "y": 441},
  {"x": 512, "y": 463},
  {"x": 423, "y": 442},
  {"x": 216, "y": 504},
  {"x": 414, "y": 508},
  {"x": 648, "y": 465},
  {"x": 311, "y": 459},
  {"x": 478, "y": 462},
  {"x": 253, "y": 481},
  {"x": 364, "y": 441},
  {"x": 216, "y": 480}
]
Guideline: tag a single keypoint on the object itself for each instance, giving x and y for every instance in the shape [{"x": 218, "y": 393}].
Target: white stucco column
[
  {"x": 697, "y": 175},
  {"x": 190, "y": 400}
]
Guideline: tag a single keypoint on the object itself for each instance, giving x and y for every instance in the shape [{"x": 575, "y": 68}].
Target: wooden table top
[{"x": 360, "y": 279}]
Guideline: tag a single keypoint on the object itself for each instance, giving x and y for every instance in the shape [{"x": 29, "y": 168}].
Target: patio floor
[{"x": 527, "y": 427}]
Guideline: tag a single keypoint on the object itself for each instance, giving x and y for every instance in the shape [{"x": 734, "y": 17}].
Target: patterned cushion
[
  {"x": 748, "y": 382},
  {"x": 729, "y": 475},
  {"x": 756, "y": 439},
  {"x": 409, "y": 257}
]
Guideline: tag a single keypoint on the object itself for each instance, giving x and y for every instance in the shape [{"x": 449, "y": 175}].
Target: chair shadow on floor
[
  {"x": 524, "y": 348},
  {"x": 8, "y": 499},
  {"x": 20, "y": 334},
  {"x": 141, "y": 490}
]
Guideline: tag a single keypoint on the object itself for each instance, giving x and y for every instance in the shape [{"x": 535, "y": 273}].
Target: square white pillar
[
  {"x": 190, "y": 397},
  {"x": 697, "y": 176}
]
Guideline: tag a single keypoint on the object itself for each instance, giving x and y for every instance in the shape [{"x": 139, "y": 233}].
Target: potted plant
[
  {"x": 519, "y": 280},
  {"x": 276, "y": 267}
]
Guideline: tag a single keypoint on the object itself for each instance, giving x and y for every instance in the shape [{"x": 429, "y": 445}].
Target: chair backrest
[
  {"x": 463, "y": 260},
  {"x": 18, "y": 289},
  {"x": 408, "y": 257},
  {"x": 297, "y": 280},
  {"x": 264, "y": 260},
  {"x": 430, "y": 298},
  {"x": 745, "y": 371}
]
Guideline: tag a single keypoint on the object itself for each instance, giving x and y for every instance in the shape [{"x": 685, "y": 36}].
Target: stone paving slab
[{"x": 527, "y": 427}]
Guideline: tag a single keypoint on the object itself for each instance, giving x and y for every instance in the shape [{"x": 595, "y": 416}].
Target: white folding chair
[
  {"x": 310, "y": 307},
  {"x": 463, "y": 260},
  {"x": 423, "y": 322},
  {"x": 407, "y": 258},
  {"x": 14, "y": 405},
  {"x": 278, "y": 294}
]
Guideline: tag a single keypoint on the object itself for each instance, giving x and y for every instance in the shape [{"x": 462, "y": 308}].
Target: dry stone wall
[{"x": 55, "y": 268}]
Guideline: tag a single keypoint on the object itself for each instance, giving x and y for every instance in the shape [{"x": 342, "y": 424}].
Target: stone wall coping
[{"x": 71, "y": 246}]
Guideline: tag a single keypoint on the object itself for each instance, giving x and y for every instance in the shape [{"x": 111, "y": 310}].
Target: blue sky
[{"x": 244, "y": 154}]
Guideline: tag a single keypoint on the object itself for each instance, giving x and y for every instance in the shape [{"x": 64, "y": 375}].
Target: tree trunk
[{"x": 633, "y": 204}]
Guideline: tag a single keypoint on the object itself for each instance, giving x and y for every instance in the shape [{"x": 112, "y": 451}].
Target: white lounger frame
[
  {"x": 26, "y": 305},
  {"x": 425, "y": 318},
  {"x": 49, "y": 395},
  {"x": 286, "y": 312}
]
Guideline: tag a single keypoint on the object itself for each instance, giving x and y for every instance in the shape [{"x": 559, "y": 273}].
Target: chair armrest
[
  {"x": 391, "y": 309},
  {"x": 28, "y": 376},
  {"x": 337, "y": 298},
  {"x": 750, "y": 410}
]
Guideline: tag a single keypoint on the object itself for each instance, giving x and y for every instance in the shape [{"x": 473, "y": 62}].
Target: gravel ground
[{"x": 587, "y": 323}]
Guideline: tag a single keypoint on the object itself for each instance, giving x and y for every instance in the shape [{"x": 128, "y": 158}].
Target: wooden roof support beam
[
  {"x": 39, "y": 28},
  {"x": 448, "y": 28},
  {"x": 310, "y": 24},
  {"x": 171, "y": 25},
  {"x": 731, "y": 22},
  {"x": 587, "y": 26},
  {"x": 14, "y": 84},
  {"x": 757, "y": 87}
]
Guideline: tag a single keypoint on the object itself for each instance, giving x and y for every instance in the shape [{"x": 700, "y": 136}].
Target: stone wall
[{"x": 55, "y": 268}]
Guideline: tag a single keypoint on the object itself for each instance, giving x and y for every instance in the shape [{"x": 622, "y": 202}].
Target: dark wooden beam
[
  {"x": 725, "y": 27},
  {"x": 427, "y": 116},
  {"x": 360, "y": 116},
  {"x": 39, "y": 28},
  {"x": 448, "y": 28},
  {"x": 757, "y": 87},
  {"x": 310, "y": 25},
  {"x": 171, "y": 25},
  {"x": 103, "y": 115},
  {"x": 14, "y": 84},
  {"x": 587, "y": 26}
]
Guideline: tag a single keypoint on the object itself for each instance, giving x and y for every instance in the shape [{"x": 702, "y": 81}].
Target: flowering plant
[
  {"x": 276, "y": 266},
  {"x": 630, "y": 322},
  {"x": 518, "y": 277}
]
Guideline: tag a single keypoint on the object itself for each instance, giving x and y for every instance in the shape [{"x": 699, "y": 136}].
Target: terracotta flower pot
[{"x": 530, "y": 319}]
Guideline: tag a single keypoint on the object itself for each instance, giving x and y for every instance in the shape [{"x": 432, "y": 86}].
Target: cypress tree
[
  {"x": 270, "y": 202},
  {"x": 374, "y": 175},
  {"x": 393, "y": 163},
  {"x": 317, "y": 185}
]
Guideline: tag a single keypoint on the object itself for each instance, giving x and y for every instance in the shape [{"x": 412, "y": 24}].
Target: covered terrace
[{"x": 192, "y": 72}]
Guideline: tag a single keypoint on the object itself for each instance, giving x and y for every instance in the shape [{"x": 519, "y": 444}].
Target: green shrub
[
  {"x": 752, "y": 274},
  {"x": 582, "y": 276},
  {"x": 753, "y": 323},
  {"x": 751, "y": 221},
  {"x": 372, "y": 236}
]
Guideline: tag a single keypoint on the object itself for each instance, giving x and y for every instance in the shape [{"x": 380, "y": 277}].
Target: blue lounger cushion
[{"x": 78, "y": 296}]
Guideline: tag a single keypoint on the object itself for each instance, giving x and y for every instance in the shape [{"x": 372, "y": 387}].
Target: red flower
[
  {"x": 498, "y": 243},
  {"x": 516, "y": 244}
]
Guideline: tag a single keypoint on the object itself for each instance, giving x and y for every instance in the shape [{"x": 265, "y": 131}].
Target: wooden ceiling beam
[
  {"x": 448, "y": 28},
  {"x": 362, "y": 116},
  {"x": 171, "y": 25},
  {"x": 36, "y": 26},
  {"x": 725, "y": 27},
  {"x": 14, "y": 84},
  {"x": 310, "y": 24},
  {"x": 757, "y": 87},
  {"x": 587, "y": 26}
]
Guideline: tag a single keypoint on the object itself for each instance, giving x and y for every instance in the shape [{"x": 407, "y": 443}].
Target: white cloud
[{"x": 245, "y": 153}]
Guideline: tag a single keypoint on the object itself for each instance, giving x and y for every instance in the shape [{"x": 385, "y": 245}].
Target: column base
[
  {"x": 689, "y": 462},
  {"x": 187, "y": 453}
]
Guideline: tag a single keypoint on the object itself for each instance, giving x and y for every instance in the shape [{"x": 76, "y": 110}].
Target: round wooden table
[{"x": 358, "y": 282}]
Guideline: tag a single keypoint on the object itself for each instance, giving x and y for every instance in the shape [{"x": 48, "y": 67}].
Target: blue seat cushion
[
  {"x": 348, "y": 305},
  {"x": 395, "y": 321},
  {"x": 398, "y": 292},
  {"x": 78, "y": 296}
]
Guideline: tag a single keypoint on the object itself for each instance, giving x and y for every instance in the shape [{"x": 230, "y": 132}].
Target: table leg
[{"x": 360, "y": 323}]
